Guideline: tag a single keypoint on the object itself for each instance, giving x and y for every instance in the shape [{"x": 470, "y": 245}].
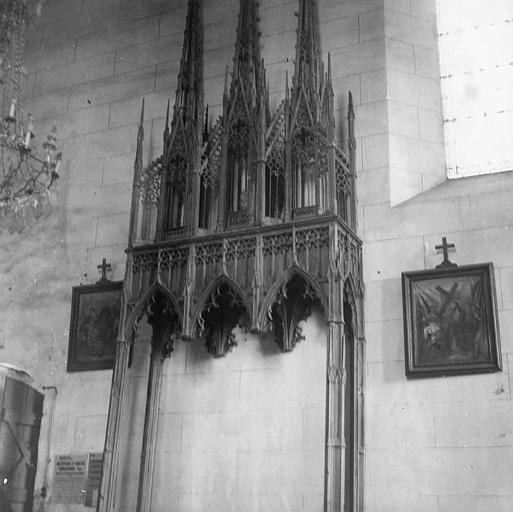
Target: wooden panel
[{"x": 19, "y": 434}]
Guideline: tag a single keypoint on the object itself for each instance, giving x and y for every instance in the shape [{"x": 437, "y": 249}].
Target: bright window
[{"x": 476, "y": 60}]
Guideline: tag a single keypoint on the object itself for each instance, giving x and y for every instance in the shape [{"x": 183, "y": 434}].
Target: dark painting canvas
[
  {"x": 450, "y": 321},
  {"x": 94, "y": 326}
]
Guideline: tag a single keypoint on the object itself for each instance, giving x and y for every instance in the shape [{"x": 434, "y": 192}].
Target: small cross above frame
[
  {"x": 445, "y": 248},
  {"x": 104, "y": 267}
]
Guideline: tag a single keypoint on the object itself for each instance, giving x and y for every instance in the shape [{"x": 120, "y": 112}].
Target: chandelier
[{"x": 26, "y": 174}]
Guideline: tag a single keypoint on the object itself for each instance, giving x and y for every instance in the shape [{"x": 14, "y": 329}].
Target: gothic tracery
[{"x": 251, "y": 221}]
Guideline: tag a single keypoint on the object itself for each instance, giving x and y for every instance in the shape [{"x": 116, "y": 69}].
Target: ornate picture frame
[
  {"x": 450, "y": 321},
  {"x": 94, "y": 326}
]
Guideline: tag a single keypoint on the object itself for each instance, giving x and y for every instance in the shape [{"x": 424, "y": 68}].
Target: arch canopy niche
[
  {"x": 223, "y": 308},
  {"x": 293, "y": 303}
]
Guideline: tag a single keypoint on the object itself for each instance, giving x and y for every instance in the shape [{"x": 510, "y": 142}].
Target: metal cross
[
  {"x": 104, "y": 267},
  {"x": 445, "y": 248}
]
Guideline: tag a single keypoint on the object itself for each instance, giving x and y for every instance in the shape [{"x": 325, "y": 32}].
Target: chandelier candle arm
[
  {"x": 25, "y": 176},
  {"x": 12, "y": 110}
]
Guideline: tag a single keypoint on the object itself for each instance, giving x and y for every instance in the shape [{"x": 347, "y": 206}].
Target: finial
[
  {"x": 167, "y": 114},
  {"x": 141, "y": 122},
  {"x": 140, "y": 137},
  {"x": 226, "y": 83},
  {"x": 205, "y": 129},
  {"x": 166, "y": 126},
  {"x": 322, "y": 77},
  {"x": 350, "y": 108},
  {"x": 329, "y": 68},
  {"x": 140, "y": 130},
  {"x": 187, "y": 94},
  {"x": 267, "y": 97}
]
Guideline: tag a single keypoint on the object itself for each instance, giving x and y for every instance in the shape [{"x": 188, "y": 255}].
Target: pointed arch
[
  {"x": 239, "y": 108},
  {"x": 178, "y": 137},
  {"x": 209, "y": 172},
  {"x": 278, "y": 285},
  {"x": 350, "y": 300},
  {"x": 177, "y": 166},
  {"x": 350, "y": 306},
  {"x": 290, "y": 301},
  {"x": 142, "y": 304},
  {"x": 354, "y": 284},
  {"x": 222, "y": 307},
  {"x": 351, "y": 288},
  {"x": 302, "y": 115},
  {"x": 203, "y": 299},
  {"x": 274, "y": 183}
]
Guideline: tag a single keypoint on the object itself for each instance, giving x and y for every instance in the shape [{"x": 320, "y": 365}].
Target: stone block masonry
[{"x": 90, "y": 63}]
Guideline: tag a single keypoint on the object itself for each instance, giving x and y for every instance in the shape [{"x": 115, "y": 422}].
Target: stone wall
[
  {"x": 442, "y": 443},
  {"x": 435, "y": 445},
  {"x": 245, "y": 432}
]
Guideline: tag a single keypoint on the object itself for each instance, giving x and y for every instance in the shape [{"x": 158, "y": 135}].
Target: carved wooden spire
[
  {"x": 350, "y": 119},
  {"x": 307, "y": 72},
  {"x": 138, "y": 171},
  {"x": 307, "y": 137},
  {"x": 243, "y": 104},
  {"x": 351, "y": 214},
  {"x": 247, "y": 60},
  {"x": 328, "y": 96},
  {"x": 140, "y": 138},
  {"x": 183, "y": 138},
  {"x": 189, "y": 93},
  {"x": 166, "y": 129}
]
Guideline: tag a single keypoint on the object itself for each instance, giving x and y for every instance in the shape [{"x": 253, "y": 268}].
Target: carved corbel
[
  {"x": 165, "y": 322},
  {"x": 224, "y": 311},
  {"x": 292, "y": 305}
]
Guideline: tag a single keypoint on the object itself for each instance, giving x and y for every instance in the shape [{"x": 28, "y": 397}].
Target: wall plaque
[
  {"x": 69, "y": 478},
  {"x": 77, "y": 479}
]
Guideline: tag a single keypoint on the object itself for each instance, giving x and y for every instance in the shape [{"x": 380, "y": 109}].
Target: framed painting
[
  {"x": 450, "y": 321},
  {"x": 94, "y": 326}
]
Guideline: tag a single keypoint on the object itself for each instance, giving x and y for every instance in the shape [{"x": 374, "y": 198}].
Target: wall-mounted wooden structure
[{"x": 248, "y": 220}]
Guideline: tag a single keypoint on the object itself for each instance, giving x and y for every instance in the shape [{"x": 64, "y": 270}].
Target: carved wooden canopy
[
  {"x": 248, "y": 220},
  {"x": 251, "y": 204}
]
